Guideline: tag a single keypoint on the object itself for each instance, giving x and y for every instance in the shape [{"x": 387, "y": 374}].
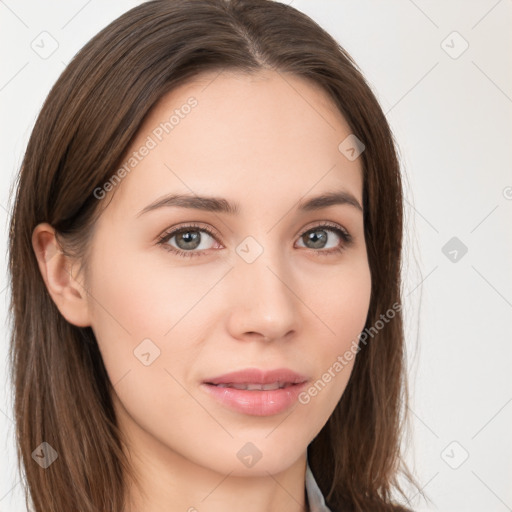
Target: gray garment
[{"x": 314, "y": 494}]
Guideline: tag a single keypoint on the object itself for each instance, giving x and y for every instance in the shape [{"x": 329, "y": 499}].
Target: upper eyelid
[{"x": 191, "y": 225}]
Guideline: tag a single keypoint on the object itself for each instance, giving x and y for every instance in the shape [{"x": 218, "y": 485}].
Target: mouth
[{"x": 256, "y": 391}]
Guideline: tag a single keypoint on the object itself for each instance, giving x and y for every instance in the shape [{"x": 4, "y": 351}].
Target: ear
[{"x": 57, "y": 271}]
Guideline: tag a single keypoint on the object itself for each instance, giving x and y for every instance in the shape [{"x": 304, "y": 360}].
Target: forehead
[{"x": 268, "y": 136}]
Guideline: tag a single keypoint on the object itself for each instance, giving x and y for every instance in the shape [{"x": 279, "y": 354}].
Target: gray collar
[{"x": 314, "y": 494}]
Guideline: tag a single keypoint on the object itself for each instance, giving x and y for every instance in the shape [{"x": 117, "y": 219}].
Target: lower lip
[{"x": 256, "y": 403}]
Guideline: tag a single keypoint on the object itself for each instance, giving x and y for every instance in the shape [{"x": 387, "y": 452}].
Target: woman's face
[{"x": 268, "y": 286}]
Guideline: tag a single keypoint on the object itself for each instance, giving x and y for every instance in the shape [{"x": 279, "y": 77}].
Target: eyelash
[{"x": 341, "y": 232}]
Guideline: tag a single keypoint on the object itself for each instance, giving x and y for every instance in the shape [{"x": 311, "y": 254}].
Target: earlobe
[{"x": 56, "y": 269}]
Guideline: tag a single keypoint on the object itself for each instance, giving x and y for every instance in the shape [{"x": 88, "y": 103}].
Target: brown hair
[{"x": 62, "y": 391}]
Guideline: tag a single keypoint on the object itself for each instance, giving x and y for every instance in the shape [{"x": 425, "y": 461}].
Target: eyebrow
[{"x": 220, "y": 205}]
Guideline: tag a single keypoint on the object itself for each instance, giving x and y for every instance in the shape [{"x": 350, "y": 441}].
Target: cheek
[
  {"x": 136, "y": 298},
  {"x": 143, "y": 295},
  {"x": 341, "y": 308},
  {"x": 342, "y": 304},
  {"x": 147, "y": 332}
]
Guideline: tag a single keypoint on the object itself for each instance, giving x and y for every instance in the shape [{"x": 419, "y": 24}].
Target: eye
[
  {"x": 188, "y": 238},
  {"x": 195, "y": 240},
  {"x": 317, "y": 238}
]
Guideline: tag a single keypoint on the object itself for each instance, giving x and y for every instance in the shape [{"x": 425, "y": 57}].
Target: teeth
[{"x": 255, "y": 387}]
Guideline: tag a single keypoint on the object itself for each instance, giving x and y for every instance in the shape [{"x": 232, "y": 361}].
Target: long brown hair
[{"x": 62, "y": 390}]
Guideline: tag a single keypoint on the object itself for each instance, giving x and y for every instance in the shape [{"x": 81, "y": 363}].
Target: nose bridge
[
  {"x": 264, "y": 301},
  {"x": 263, "y": 268}
]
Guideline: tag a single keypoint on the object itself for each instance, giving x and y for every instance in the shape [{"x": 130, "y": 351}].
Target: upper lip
[{"x": 257, "y": 376}]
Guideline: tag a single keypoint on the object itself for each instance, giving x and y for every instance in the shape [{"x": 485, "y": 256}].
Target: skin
[{"x": 266, "y": 141}]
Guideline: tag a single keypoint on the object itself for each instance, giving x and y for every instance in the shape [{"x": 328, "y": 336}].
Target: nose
[{"x": 262, "y": 303}]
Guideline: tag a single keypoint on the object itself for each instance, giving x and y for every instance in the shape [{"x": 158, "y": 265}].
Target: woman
[{"x": 205, "y": 254}]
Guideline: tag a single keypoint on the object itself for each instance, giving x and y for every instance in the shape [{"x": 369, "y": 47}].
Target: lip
[{"x": 257, "y": 402}]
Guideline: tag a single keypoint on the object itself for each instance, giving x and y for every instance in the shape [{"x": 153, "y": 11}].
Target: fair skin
[{"x": 257, "y": 141}]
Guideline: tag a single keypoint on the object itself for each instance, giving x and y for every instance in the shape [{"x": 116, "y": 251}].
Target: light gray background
[{"x": 451, "y": 114}]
